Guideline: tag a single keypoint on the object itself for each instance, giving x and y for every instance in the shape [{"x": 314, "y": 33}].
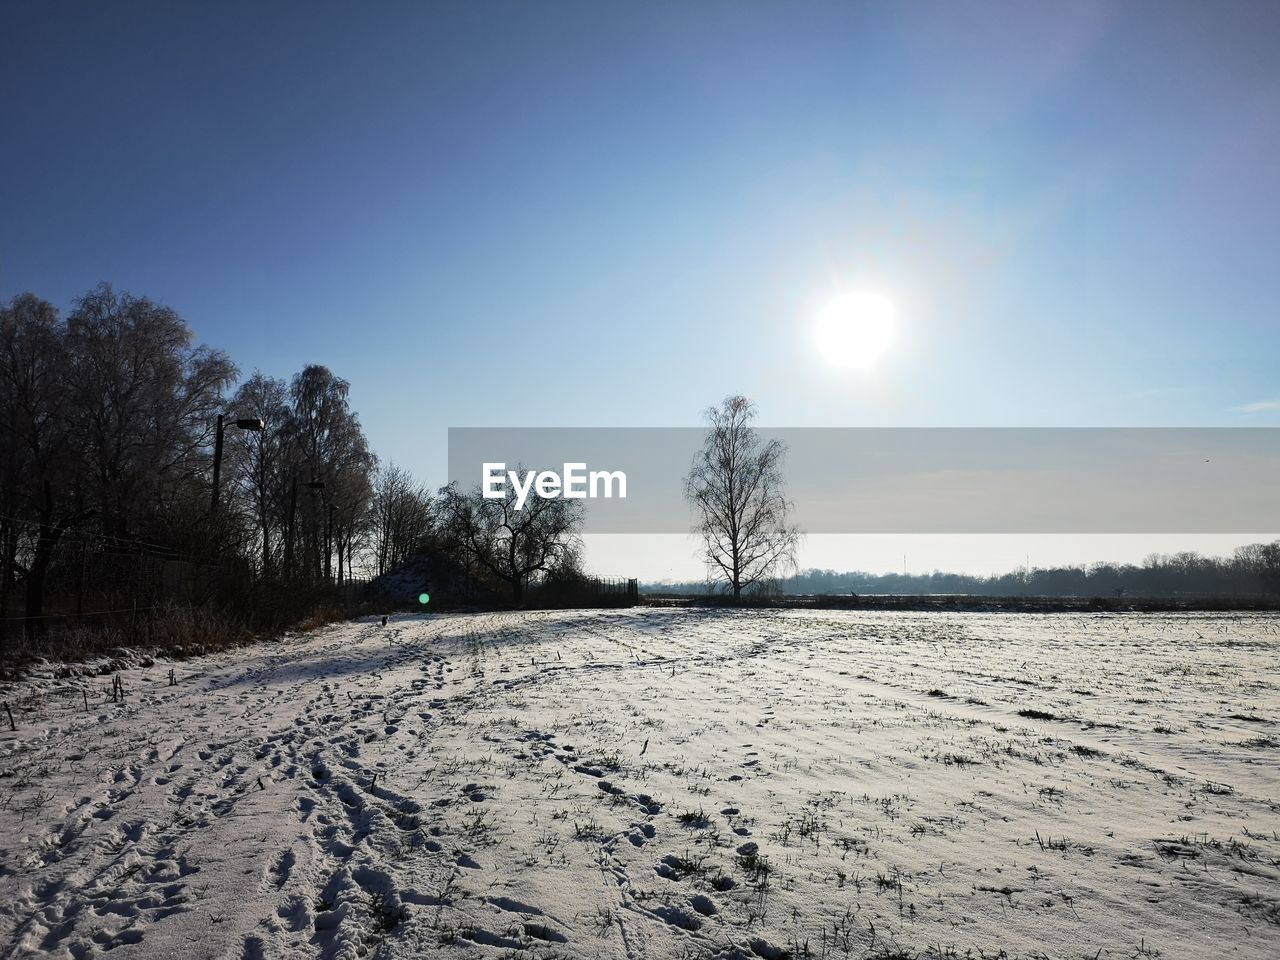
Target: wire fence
[
  {"x": 102, "y": 590},
  {"x": 88, "y": 578}
]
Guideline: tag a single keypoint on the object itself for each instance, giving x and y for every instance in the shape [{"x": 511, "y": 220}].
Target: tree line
[
  {"x": 1251, "y": 569},
  {"x": 118, "y": 428}
]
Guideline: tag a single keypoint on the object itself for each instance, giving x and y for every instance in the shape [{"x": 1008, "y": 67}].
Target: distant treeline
[{"x": 1251, "y": 569}]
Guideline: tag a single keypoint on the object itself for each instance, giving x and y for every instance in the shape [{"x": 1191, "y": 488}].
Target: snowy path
[{"x": 660, "y": 783}]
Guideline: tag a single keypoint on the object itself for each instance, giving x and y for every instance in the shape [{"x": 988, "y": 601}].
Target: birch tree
[{"x": 735, "y": 487}]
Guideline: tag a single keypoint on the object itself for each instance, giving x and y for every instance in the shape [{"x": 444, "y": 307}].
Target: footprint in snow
[
  {"x": 704, "y": 905},
  {"x": 678, "y": 917},
  {"x": 514, "y": 906}
]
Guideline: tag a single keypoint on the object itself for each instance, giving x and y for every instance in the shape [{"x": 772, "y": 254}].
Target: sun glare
[{"x": 856, "y": 329}]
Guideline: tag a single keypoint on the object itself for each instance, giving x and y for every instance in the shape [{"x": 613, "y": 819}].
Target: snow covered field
[{"x": 660, "y": 783}]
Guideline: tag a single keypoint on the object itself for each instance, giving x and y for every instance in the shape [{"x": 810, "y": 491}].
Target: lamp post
[{"x": 252, "y": 423}]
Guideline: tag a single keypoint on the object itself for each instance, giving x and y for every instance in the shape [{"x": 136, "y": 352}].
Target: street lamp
[{"x": 252, "y": 423}]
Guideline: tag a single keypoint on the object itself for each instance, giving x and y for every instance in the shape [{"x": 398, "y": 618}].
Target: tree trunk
[
  {"x": 266, "y": 539},
  {"x": 40, "y": 561},
  {"x": 8, "y": 555},
  {"x": 8, "y": 533},
  {"x": 289, "y": 529},
  {"x": 328, "y": 546},
  {"x": 341, "y": 554}
]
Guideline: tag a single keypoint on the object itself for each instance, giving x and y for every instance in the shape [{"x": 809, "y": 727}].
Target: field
[{"x": 659, "y": 783}]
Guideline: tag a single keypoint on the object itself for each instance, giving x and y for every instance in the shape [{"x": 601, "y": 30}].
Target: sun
[{"x": 856, "y": 329}]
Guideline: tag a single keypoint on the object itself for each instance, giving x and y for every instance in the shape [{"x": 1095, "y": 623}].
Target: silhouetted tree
[
  {"x": 735, "y": 487},
  {"x": 261, "y": 458},
  {"x": 1270, "y": 557},
  {"x": 331, "y": 450},
  {"x": 145, "y": 402},
  {"x": 402, "y": 517},
  {"x": 515, "y": 546},
  {"x": 42, "y": 487}
]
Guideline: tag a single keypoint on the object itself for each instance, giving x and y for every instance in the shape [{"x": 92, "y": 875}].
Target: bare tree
[
  {"x": 514, "y": 545},
  {"x": 1270, "y": 556},
  {"x": 41, "y": 450},
  {"x": 735, "y": 487},
  {"x": 260, "y": 457},
  {"x": 332, "y": 448},
  {"x": 349, "y": 517},
  {"x": 145, "y": 404},
  {"x": 401, "y": 517}
]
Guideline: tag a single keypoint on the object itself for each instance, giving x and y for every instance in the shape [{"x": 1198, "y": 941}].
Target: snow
[{"x": 659, "y": 783}]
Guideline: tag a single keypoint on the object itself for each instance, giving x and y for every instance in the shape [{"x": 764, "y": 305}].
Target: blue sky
[{"x": 615, "y": 214}]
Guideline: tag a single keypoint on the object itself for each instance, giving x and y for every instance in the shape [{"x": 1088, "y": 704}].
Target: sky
[{"x": 562, "y": 214}]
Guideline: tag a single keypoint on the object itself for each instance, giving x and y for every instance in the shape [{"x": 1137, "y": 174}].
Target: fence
[
  {"x": 100, "y": 591},
  {"x": 107, "y": 587},
  {"x": 585, "y": 592}
]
